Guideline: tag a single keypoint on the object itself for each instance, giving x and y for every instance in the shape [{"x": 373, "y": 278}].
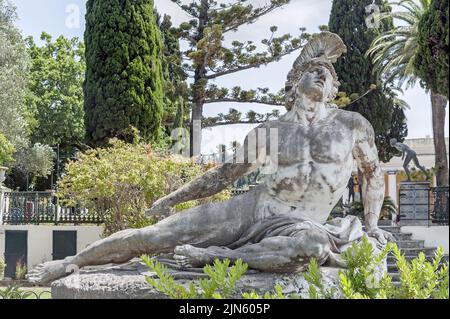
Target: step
[
  {"x": 410, "y": 243},
  {"x": 403, "y": 236},
  {"x": 391, "y": 259},
  {"x": 391, "y": 229},
  {"x": 384, "y": 223},
  {"x": 395, "y": 276},
  {"x": 424, "y": 222},
  {"x": 392, "y": 267},
  {"x": 428, "y": 251}
]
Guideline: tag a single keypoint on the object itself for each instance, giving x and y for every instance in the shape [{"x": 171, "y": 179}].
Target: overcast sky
[{"x": 57, "y": 17}]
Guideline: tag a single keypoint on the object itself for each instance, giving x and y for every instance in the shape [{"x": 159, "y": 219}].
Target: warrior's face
[{"x": 317, "y": 84}]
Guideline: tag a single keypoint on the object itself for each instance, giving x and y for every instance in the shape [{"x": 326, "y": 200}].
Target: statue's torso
[{"x": 314, "y": 165}]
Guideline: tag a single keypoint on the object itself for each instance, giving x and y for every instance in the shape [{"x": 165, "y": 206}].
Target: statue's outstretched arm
[
  {"x": 366, "y": 155},
  {"x": 213, "y": 181}
]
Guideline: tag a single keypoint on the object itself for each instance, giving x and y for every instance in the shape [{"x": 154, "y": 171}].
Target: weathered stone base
[{"x": 128, "y": 282}]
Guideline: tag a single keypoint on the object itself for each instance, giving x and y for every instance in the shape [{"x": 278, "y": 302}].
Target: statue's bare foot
[
  {"x": 190, "y": 256},
  {"x": 45, "y": 273}
]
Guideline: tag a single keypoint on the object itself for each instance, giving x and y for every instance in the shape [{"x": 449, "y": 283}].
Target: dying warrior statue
[{"x": 284, "y": 222}]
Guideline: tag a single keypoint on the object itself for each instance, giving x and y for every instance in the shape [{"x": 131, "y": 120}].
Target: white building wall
[{"x": 40, "y": 240}]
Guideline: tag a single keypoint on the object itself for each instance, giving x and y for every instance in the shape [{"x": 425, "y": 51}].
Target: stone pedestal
[
  {"x": 414, "y": 201},
  {"x": 128, "y": 282}
]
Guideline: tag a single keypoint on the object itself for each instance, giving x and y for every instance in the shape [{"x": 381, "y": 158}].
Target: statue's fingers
[
  {"x": 390, "y": 237},
  {"x": 380, "y": 237}
]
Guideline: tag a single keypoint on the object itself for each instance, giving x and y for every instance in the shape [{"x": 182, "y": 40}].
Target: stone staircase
[{"x": 409, "y": 247}]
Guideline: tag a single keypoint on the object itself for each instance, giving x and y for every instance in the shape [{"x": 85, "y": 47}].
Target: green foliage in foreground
[
  {"x": 220, "y": 284},
  {"x": 420, "y": 279}
]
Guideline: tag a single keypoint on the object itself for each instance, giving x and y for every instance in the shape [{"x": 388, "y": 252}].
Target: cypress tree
[
  {"x": 431, "y": 62},
  {"x": 356, "y": 72},
  {"x": 124, "y": 82}
]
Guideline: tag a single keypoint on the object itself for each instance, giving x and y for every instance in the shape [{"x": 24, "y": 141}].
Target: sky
[{"x": 66, "y": 17}]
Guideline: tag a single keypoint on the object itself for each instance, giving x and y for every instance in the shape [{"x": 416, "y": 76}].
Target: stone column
[
  {"x": 392, "y": 185},
  {"x": 392, "y": 190}
]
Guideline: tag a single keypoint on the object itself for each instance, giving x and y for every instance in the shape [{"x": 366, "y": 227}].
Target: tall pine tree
[
  {"x": 432, "y": 58},
  {"x": 356, "y": 72},
  {"x": 210, "y": 57},
  {"x": 124, "y": 80},
  {"x": 176, "y": 89}
]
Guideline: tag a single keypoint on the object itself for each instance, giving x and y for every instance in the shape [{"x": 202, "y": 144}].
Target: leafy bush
[
  {"x": 220, "y": 284},
  {"x": 419, "y": 279},
  {"x": 316, "y": 287},
  {"x": 360, "y": 277},
  {"x": 122, "y": 180},
  {"x": 21, "y": 270},
  {"x": 6, "y": 150},
  {"x": 2, "y": 268}
]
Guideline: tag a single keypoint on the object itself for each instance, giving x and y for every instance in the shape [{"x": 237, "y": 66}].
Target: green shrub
[
  {"x": 360, "y": 280},
  {"x": 122, "y": 180},
  {"x": 316, "y": 287},
  {"x": 220, "y": 284},
  {"x": 21, "y": 270},
  {"x": 419, "y": 279},
  {"x": 6, "y": 150},
  {"x": 2, "y": 268}
]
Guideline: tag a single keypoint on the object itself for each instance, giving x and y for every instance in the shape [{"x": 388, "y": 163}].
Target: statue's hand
[
  {"x": 381, "y": 235},
  {"x": 160, "y": 208}
]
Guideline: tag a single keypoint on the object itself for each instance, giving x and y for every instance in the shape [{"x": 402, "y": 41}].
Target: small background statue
[{"x": 408, "y": 154}]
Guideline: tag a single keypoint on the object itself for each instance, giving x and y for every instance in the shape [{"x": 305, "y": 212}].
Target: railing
[
  {"x": 439, "y": 205},
  {"x": 20, "y": 208}
]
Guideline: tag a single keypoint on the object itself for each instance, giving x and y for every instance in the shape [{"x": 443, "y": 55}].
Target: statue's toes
[
  {"x": 183, "y": 250},
  {"x": 182, "y": 261}
]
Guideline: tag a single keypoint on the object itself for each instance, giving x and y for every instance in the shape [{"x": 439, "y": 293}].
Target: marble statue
[
  {"x": 408, "y": 155},
  {"x": 284, "y": 222}
]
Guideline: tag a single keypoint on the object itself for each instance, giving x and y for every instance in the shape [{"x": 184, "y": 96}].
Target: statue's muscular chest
[{"x": 330, "y": 143}]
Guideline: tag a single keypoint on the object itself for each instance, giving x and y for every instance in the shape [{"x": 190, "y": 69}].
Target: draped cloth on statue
[{"x": 340, "y": 231}]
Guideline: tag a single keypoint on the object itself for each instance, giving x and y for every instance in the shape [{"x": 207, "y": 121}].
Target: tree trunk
[
  {"x": 198, "y": 88},
  {"x": 438, "y": 104},
  {"x": 196, "y": 129}
]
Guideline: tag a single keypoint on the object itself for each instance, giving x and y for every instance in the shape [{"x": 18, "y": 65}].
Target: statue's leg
[
  {"x": 405, "y": 166},
  {"x": 422, "y": 168},
  {"x": 273, "y": 254},
  {"x": 216, "y": 224}
]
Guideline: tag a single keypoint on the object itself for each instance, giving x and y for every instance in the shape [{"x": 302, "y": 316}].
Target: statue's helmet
[{"x": 323, "y": 49}]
